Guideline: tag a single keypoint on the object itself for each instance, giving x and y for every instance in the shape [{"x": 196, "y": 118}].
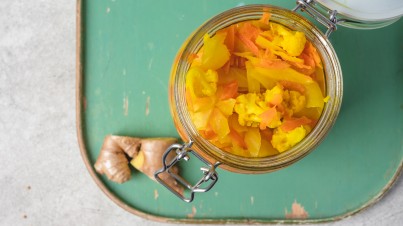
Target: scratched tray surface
[{"x": 127, "y": 50}]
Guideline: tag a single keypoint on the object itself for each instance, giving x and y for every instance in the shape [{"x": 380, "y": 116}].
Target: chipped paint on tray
[
  {"x": 148, "y": 106},
  {"x": 297, "y": 212},
  {"x": 252, "y": 200},
  {"x": 125, "y": 105},
  {"x": 194, "y": 211},
  {"x": 156, "y": 194},
  {"x": 150, "y": 63}
]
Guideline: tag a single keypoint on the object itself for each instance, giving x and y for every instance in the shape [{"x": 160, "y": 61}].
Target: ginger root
[
  {"x": 146, "y": 157},
  {"x": 149, "y": 160},
  {"x": 112, "y": 160}
]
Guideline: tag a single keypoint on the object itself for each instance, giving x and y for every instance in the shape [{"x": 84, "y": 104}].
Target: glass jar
[
  {"x": 206, "y": 150},
  {"x": 238, "y": 164}
]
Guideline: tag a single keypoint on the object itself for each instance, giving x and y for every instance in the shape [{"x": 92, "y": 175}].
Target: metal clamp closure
[
  {"x": 320, "y": 13},
  {"x": 182, "y": 152}
]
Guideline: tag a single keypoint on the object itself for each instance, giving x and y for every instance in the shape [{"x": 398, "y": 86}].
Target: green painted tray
[{"x": 124, "y": 54}]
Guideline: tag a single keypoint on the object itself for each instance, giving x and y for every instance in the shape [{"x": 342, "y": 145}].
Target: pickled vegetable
[{"x": 255, "y": 88}]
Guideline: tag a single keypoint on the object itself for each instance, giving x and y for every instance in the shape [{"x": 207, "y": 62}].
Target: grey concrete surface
[{"x": 43, "y": 180}]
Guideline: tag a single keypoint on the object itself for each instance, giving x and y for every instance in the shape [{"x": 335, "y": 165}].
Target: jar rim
[{"x": 235, "y": 163}]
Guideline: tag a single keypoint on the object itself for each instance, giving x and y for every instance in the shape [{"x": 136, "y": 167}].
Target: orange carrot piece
[
  {"x": 230, "y": 38},
  {"x": 249, "y": 44},
  {"x": 274, "y": 64},
  {"x": 230, "y": 43},
  {"x": 237, "y": 138},
  {"x": 308, "y": 63},
  {"x": 249, "y": 31},
  {"x": 290, "y": 124},
  {"x": 248, "y": 34},
  {"x": 281, "y": 108},
  {"x": 308, "y": 60},
  {"x": 227, "y": 91},
  {"x": 315, "y": 55},
  {"x": 267, "y": 117},
  {"x": 293, "y": 86},
  {"x": 265, "y": 18},
  {"x": 311, "y": 52}
]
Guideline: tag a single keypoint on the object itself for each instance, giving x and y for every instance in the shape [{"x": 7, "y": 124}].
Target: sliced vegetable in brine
[{"x": 255, "y": 88}]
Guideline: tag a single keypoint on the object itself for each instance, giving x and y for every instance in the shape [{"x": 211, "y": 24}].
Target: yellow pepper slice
[{"x": 215, "y": 52}]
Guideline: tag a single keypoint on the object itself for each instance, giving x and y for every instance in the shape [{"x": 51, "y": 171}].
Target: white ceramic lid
[{"x": 366, "y": 10}]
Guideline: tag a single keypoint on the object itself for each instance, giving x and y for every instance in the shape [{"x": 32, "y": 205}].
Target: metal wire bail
[
  {"x": 320, "y": 13},
  {"x": 182, "y": 152}
]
